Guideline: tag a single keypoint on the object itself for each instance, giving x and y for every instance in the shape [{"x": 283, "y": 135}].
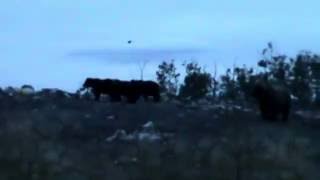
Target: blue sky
[{"x": 57, "y": 43}]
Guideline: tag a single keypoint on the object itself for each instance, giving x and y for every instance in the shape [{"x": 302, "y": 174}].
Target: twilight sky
[{"x": 58, "y": 43}]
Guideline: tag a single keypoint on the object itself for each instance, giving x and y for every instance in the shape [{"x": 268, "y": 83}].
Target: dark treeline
[{"x": 300, "y": 74}]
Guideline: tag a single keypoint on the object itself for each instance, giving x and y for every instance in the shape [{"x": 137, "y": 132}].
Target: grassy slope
[{"x": 51, "y": 138}]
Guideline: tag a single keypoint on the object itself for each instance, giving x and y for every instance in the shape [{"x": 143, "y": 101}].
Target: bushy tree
[
  {"x": 301, "y": 78},
  {"x": 300, "y": 74},
  {"x": 236, "y": 83},
  {"x": 167, "y": 77},
  {"x": 197, "y": 82},
  {"x": 275, "y": 66},
  {"x": 244, "y": 81},
  {"x": 228, "y": 89},
  {"x": 315, "y": 76}
]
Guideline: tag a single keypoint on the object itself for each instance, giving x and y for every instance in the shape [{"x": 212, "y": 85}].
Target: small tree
[
  {"x": 315, "y": 75},
  {"x": 215, "y": 83},
  {"x": 197, "y": 82},
  {"x": 167, "y": 77},
  {"x": 301, "y": 78},
  {"x": 244, "y": 81},
  {"x": 228, "y": 86},
  {"x": 237, "y": 83},
  {"x": 142, "y": 66}
]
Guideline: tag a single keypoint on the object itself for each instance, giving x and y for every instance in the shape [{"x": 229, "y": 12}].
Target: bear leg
[{"x": 96, "y": 95}]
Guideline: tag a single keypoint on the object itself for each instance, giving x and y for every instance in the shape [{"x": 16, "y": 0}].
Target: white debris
[
  {"x": 145, "y": 136},
  {"x": 119, "y": 134},
  {"x": 237, "y": 107},
  {"x": 147, "y": 133},
  {"x": 218, "y": 106},
  {"x": 247, "y": 110},
  {"x": 134, "y": 159},
  {"x": 294, "y": 97},
  {"x": 148, "y": 125},
  {"x": 111, "y": 117}
]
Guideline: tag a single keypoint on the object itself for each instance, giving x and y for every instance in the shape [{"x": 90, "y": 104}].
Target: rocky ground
[{"x": 55, "y": 135}]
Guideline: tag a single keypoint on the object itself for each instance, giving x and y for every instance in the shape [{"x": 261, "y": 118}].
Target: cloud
[{"x": 137, "y": 54}]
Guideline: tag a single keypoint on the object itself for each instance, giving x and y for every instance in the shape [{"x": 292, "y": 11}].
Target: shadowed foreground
[{"x": 68, "y": 138}]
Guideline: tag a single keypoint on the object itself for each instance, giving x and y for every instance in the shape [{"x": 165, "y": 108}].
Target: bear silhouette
[
  {"x": 274, "y": 100},
  {"x": 146, "y": 89},
  {"x": 116, "y": 89},
  {"x": 103, "y": 86}
]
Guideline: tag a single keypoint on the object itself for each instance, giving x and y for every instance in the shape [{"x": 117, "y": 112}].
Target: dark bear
[
  {"x": 127, "y": 89},
  {"x": 145, "y": 89},
  {"x": 115, "y": 88},
  {"x": 273, "y": 100},
  {"x": 103, "y": 86}
]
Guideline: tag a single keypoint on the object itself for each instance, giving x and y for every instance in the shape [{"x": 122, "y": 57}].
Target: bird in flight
[{"x": 130, "y": 41}]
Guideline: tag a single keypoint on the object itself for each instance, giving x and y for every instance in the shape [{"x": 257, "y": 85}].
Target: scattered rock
[
  {"x": 27, "y": 90},
  {"x": 294, "y": 98}
]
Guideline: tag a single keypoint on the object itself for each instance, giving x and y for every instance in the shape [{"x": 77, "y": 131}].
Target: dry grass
[{"x": 64, "y": 139}]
